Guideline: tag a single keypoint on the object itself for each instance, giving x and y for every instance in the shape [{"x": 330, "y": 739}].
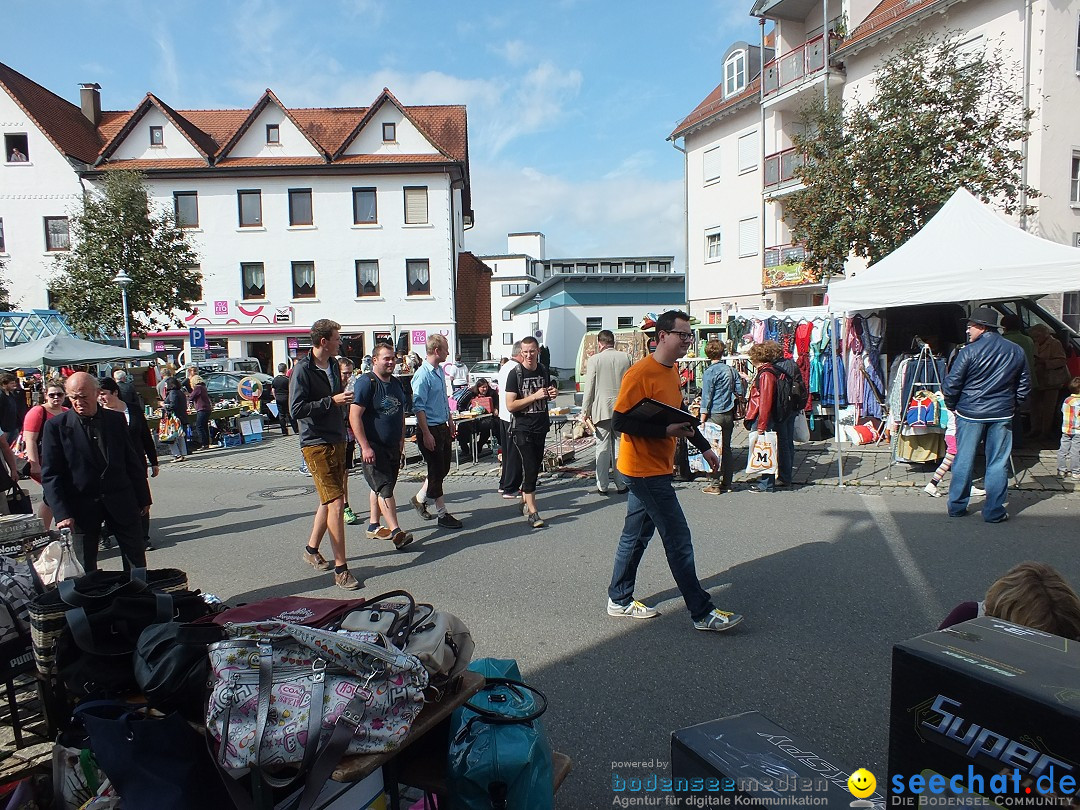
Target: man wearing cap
[{"x": 987, "y": 381}]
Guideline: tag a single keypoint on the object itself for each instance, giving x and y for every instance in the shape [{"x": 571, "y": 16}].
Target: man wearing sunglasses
[{"x": 646, "y": 461}]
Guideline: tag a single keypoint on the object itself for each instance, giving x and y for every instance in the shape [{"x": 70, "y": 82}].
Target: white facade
[
  {"x": 280, "y": 219},
  {"x": 1053, "y": 165},
  {"x": 43, "y": 186}
]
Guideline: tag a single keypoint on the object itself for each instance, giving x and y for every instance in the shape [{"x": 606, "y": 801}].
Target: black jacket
[
  {"x": 988, "y": 379},
  {"x": 280, "y": 387},
  {"x": 176, "y": 402},
  {"x": 311, "y": 403},
  {"x": 141, "y": 438},
  {"x": 79, "y": 484}
]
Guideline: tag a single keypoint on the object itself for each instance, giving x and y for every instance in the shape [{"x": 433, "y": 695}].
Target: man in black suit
[{"x": 91, "y": 474}]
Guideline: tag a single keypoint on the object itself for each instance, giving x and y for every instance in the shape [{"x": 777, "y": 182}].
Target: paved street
[{"x": 828, "y": 580}]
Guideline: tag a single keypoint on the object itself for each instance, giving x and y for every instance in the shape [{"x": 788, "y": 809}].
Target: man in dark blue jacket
[{"x": 985, "y": 384}]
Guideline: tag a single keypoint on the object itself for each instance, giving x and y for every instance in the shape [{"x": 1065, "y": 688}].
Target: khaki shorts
[{"x": 326, "y": 463}]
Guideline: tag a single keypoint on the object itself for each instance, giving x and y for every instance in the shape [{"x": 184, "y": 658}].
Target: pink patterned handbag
[{"x": 283, "y": 691}]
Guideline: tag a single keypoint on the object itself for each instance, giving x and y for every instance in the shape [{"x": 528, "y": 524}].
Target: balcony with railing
[
  {"x": 795, "y": 67},
  {"x": 780, "y": 169},
  {"x": 784, "y": 266}
]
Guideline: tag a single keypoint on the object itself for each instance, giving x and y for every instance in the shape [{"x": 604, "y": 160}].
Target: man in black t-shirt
[
  {"x": 280, "y": 387},
  {"x": 528, "y": 391},
  {"x": 377, "y": 419}
]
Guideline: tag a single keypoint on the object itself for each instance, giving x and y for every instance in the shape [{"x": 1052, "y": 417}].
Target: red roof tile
[
  {"x": 473, "y": 295},
  {"x": 886, "y": 13},
  {"x": 713, "y": 104},
  {"x": 62, "y": 122}
]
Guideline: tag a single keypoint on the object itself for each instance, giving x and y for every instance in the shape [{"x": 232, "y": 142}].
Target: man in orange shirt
[{"x": 646, "y": 461}]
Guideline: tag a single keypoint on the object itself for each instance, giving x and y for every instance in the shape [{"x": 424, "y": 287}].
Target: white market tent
[
  {"x": 62, "y": 350},
  {"x": 966, "y": 252}
]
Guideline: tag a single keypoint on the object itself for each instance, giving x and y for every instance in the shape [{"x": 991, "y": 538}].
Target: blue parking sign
[{"x": 197, "y": 337}]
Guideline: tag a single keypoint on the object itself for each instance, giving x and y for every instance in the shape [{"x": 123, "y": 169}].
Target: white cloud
[
  {"x": 515, "y": 51},
  {"x": 537, "y": 103},
  {"x": 633, "y": 164},
  {"x": 625, "y": 215},
  {"x": 169, "y": 75}
]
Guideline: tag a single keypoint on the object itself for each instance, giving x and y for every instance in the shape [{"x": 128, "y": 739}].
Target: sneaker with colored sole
[
  {"x": 346, "y": 581},
  {"x": 316, "y": 561},
  {"x": 350, "y": 516},
  {"x": 535, "y": 520},
  {"x": 718, "y": 621},
  {"x": 634, "y": 610},
  {"x": 421, "y": 508},
  {"x": 401, "y": 538},
  {"x": 381, "y": 533}
]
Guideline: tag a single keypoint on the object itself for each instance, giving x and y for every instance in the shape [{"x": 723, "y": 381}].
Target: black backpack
[{"x": 790, "y": 389}]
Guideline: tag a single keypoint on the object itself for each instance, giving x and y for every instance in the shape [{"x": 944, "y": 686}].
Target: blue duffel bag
[{"x": 499, "y": 757}]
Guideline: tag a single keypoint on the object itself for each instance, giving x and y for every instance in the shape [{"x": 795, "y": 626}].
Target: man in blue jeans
[
  {"x": 646, "y": 461},
  {"x": 986, "y": 383}
]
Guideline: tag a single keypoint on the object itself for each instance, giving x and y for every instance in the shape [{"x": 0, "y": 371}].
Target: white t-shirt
[{"x": 504, "y": 372}]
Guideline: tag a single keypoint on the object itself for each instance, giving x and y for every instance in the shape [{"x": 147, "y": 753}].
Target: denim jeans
[
  {"x": 969, "y": 434},
  {"x": 653, "y": 506},
  {"x": 202, "y": 429},
  {"x": 1069, "y": 453}
]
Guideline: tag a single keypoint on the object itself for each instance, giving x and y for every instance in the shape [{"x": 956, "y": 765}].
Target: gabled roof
[
  {"x": 61, "y": 121},
  {"x": 385, "y": 97},
  {"x": 268, "y": 98},
  {"x": 714, "y": 106},
  {"x": 202, "y": 142},
  {"x": 887, "y": 14},
  {"x": 473, "y": 299}
]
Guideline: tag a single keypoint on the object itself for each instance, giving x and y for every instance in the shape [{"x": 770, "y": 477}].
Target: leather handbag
[
  {"x": 172, "y": 668},
  {"x": 283, "y": 691},
  {"x": 19, "y": 501},
  {"x": 47, "y": 622},
  {"x": 390, "y": 614},
  {"x": 442, "y": 643}
]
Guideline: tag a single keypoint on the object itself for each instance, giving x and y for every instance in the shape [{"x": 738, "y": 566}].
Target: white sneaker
[
  {"x": 932, "y": 490},
  {"x": 635, "y": 610},
  {"x": 977, "y": 492}
]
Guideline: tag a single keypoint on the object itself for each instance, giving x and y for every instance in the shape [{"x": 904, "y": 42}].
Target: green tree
[
  {"x": 119, "y": 229},
  {"x": 6, "y": 304},
  {"x": 876, "y": 170}
]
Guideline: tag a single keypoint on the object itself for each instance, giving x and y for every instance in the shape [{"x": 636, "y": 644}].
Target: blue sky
[{"x": 569, "y": 101}]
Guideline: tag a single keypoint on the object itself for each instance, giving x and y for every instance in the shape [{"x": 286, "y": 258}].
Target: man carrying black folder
[{"x": 650, "y": 431}]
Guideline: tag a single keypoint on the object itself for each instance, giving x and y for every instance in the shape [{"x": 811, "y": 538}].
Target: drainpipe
[
  {"x": 825, "y": 44},
  {"x": 761, "y": 155},
  {"x": 1027, "y": 96},
  {"x": 686, "y": 225}
]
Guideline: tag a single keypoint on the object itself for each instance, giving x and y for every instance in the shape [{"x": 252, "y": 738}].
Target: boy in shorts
[{"x": 377, "y": 419}]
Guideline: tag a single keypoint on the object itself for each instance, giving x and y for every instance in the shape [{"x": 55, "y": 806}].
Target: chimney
[{"x": 90, "y": 101}]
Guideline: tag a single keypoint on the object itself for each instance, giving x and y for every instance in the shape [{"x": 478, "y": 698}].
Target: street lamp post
[
  {"x": 537, "y": 299},
  {"x": 123, "y": 279}
]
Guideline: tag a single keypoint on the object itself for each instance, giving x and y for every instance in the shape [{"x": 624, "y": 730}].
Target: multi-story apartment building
[
  {"x": 559, "y": 300},
  {"x": 740, "y": 163},
  {"x": 355, "y": 214}
]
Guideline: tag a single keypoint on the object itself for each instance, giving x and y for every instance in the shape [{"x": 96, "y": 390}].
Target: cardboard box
[
  {"x": 747, "y": 758},
  {"x": 981, "y": 699}
]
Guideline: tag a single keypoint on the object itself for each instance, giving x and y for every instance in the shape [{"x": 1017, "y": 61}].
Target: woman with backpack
[{"x": 762, "y": 413}]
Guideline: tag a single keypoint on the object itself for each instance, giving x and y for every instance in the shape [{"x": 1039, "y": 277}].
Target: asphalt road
[{"x": 828, "y": 580}]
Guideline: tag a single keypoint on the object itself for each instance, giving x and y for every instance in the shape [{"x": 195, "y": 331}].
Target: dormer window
[
  {"x": 735, "y": 74},
  {"x": 157, "y": 136},
  {"x": 389, "y": 133},
  {"x": 273, "y": 134}
]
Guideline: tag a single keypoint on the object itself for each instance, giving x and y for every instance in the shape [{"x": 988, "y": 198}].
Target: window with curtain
[
  {"x": 57, "y": 236},
  {"x": 250, "y": 203},
  {"x": 416, "y": 205},
  {"x": 253, "y": 281},
  {"x": 418, "y": 276},
  {"x": 303, "y": 279},
  {"x": 367, "y": 277}
]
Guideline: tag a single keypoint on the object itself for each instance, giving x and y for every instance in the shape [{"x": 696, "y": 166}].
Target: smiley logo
[{"x": 861, "y": 783}]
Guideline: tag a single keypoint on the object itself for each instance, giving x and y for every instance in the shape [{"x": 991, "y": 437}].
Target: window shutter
[
  {"x": 748, "y": 152},
  {"x": 748, "y": 237},
  {"x": 712, "y": 164},
  {"x": 416, "y": 205}
]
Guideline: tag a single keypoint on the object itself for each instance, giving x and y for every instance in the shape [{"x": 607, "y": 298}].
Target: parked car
[
  {"x": 488, "y": 369},
  {"x": 223, "y": 384}
]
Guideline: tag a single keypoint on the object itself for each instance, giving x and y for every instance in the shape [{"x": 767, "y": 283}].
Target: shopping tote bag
[{"x": 762, "y": 457}]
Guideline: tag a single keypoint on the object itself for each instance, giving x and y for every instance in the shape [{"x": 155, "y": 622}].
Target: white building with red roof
[
  {"x": 352, "y": 213},
  {"x": 740, "y": 163}
]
